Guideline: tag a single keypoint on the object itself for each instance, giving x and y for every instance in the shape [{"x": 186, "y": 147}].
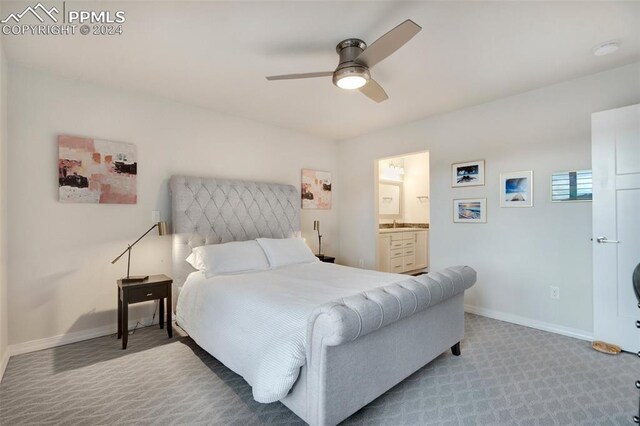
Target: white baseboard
[
  {"x": 3, "y": 363},
  {"x": 528, "y": 322},
  {"x": 78, "y": 336},
  {"x": 65, "y": 339}
]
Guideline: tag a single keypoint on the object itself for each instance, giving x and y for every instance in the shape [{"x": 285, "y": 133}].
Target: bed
[{"x": 323, "y": 339}]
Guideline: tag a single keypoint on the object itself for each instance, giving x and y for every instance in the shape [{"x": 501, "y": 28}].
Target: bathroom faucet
[{"x": 394, "y": 223}]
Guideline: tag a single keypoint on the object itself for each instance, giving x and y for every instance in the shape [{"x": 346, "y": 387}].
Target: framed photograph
[
  {"x": 467, "y": 174},
  {"x": 516, "y": 189},
  {"x": 316, "y": 189},
  {"x": 96, "y": 171},
  {"x": 470, "y": 210},
  {"x": 572, "y": 186}
]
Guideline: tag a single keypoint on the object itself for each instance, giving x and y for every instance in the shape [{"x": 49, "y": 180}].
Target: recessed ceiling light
[{"x": 606, "y": 48}]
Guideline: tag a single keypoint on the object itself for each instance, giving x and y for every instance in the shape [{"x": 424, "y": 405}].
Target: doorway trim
[{"x": 376, "y": 210}]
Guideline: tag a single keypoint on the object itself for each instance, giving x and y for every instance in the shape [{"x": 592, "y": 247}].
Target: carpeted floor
[{"x": 506, "y": 375}]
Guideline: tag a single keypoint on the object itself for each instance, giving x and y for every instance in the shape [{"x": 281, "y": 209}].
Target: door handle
[{"x": 603, "y": 240}]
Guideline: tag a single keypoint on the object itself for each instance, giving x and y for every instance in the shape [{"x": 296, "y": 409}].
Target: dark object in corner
[
  {"x": 455, "y": 349},
  {"x": 326, "y": 259},
  {"x": 635, "y": 279},
  {"x": 636, "y": 282}
]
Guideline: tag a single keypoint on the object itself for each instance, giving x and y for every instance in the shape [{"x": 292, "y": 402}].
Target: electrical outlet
[
  {"x": 155, "y": 216},
  {"x": 554, "y": 292}
]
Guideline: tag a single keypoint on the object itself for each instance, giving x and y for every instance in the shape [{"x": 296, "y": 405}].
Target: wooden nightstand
[
  {"x": 326, "y": 259},
  {"x": 156, "y": 287}
]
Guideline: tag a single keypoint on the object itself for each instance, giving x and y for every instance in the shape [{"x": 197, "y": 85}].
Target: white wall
[
  {"x": 60, "y": 276},
  {"x": 519, "y": 253},
  {"x": 4, "y": 307},
  {"x": 416, "y": 183}
]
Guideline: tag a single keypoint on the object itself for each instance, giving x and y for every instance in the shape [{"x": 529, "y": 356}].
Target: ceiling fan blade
[
  {"x": 306, "y": 75},
  {"x": 374, "y": 91},
  {"x": 389, "y": 43}
]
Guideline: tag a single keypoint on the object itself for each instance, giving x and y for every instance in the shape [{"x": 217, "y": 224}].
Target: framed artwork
[
  {"x": 470, "y": 173},
  {"x": 516, "y": 189},
  {"x": 96, "y": 171},
  {"x": 470, "y": 210},
  {"x": 316, "y": 189},
  {"x": 570, "y": 186}
]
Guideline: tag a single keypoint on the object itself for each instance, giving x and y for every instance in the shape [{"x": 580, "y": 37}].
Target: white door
[{"x": 616, "y": 225}]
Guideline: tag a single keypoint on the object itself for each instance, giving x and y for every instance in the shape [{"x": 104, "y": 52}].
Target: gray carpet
[{"x": 507, "y": 374}]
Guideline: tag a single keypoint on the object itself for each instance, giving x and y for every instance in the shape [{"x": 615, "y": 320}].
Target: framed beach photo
[
  {"x": 470, "y": 173},
  {"x": 516, "y": 189},
  {"x": 470, "y": 210}
]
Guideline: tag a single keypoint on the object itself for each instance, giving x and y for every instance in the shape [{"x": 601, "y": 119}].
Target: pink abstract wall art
[
  {"x": 316, "y": 189},
  {"x": 96, "y": 171}
]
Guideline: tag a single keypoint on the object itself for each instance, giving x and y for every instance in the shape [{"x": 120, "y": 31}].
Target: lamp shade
[{"x": 162, "y": 228}]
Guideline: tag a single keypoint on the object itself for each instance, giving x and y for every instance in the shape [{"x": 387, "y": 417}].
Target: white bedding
[{"x": 256, "y": 323}]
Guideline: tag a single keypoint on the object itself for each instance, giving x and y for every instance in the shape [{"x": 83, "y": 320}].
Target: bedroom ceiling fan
[{"x": 356, "y": 60}]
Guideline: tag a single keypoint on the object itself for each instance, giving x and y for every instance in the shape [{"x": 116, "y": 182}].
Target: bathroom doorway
[{"x": 402, "y": 209}]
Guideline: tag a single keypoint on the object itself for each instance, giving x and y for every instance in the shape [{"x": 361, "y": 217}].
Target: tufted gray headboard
[{"x": 214, "y": 211}]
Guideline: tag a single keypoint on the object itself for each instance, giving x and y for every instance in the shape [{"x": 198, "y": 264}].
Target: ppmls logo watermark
[{"x": 57, "y": 20}]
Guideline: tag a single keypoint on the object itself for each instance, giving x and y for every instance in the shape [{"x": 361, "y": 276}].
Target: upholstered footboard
[{"x": 361, "y": 346}]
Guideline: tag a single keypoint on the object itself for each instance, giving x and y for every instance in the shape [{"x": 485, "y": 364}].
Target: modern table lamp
[
  {"x": 162, "y": 230},
  {"x": 316, "y": 227}
]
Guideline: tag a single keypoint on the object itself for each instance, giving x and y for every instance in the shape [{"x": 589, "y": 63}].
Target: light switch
[{"x": 155, "y": 216}]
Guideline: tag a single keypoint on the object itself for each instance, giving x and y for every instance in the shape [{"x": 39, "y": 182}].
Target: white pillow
[
  {"x": 229, "y": 258},
  {"x": 286, "y": 251}
]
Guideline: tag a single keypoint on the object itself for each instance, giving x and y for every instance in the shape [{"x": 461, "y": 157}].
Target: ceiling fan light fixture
[
  {"x": 351, "y": 82},
  {"x": 350, "y": 78},
  {"x": 356, "y": 58}
]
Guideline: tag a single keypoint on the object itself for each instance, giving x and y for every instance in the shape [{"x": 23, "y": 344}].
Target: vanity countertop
[{"x": 388, "y": 230}]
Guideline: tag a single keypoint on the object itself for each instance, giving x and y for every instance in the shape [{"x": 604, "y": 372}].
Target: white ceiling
[{"x": 216, "y": 55}]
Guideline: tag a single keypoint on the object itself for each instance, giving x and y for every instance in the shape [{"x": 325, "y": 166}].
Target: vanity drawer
[
  {"x": 408, "y": 244},
  {"x": 409, "y": 262},
  {"x": 396, "y": 244},
  {"x": 398, "y": 252},
  {"x": 151, "y": 292},
  {"x": 397, "y": 265}
]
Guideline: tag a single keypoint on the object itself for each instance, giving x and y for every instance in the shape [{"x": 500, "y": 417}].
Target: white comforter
[{"x": 256, "y": 323}]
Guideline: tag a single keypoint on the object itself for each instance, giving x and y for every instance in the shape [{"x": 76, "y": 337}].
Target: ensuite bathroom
[{"x": 403, "y": 214}]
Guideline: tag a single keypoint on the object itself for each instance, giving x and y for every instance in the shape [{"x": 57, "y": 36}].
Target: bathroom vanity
[{"x": 403, "y": 250}]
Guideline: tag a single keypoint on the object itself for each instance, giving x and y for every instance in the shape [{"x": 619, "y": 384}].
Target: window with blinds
[{"x": 572, "y": 186}]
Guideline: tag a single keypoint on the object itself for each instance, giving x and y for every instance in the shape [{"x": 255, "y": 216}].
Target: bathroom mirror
[{"x": 390, "y": 199}]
